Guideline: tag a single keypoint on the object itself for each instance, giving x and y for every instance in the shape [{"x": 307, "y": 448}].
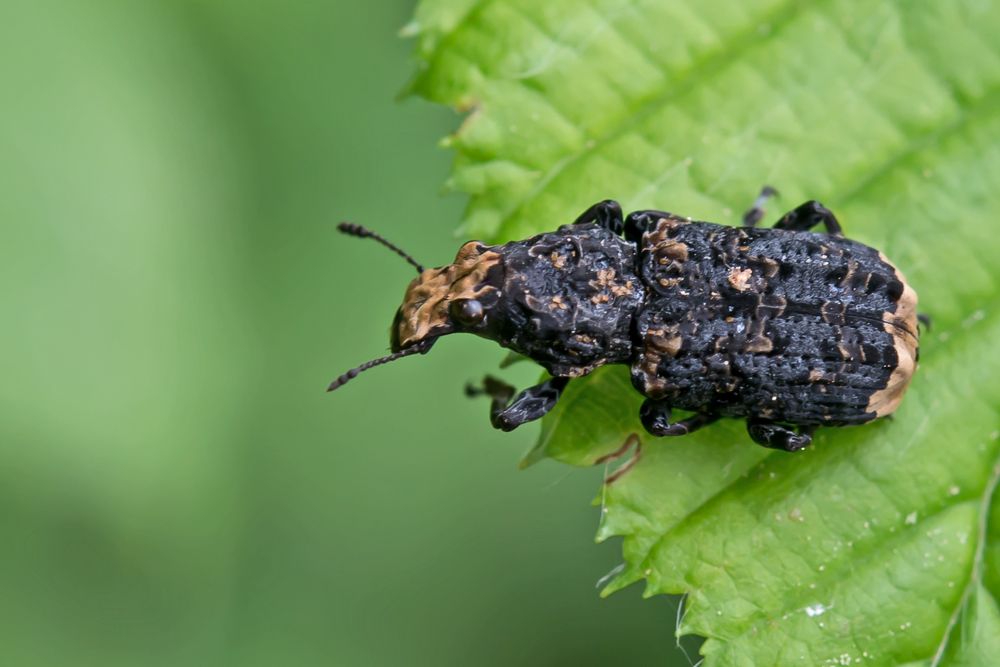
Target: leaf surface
[{"x": 881, "y": 544}]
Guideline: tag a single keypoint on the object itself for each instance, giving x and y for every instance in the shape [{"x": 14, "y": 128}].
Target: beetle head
[
  {"x": 439, "y": 301},
  {"x": 457, "y": 297}
]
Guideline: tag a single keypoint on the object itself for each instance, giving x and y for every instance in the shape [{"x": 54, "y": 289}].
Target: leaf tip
[
  {"x": 622, "y": 580},
  {"x": 534, "y": 455}
]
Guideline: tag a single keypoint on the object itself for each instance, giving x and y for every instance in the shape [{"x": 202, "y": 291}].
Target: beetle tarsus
[
  {"x": 655, "y": 417},
  {"x": 529, "y": 405},
  {"x": 770, "y": 434}
]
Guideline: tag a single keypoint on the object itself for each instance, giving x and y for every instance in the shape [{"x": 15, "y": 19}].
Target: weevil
[{"x": 785, "y": 327}]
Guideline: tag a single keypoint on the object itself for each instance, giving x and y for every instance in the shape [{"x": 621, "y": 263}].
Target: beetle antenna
[
  {"x": 352, "y": 229},
  {"x": 419, "y": 348}
]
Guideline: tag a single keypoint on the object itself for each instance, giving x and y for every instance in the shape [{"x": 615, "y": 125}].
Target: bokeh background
[{"x": 175, "y": 486}]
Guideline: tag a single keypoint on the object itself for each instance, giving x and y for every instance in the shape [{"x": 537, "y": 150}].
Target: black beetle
[{"x": 788, "y": 328}]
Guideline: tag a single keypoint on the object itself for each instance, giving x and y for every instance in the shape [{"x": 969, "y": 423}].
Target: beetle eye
[{"x": 466, "y": 311}]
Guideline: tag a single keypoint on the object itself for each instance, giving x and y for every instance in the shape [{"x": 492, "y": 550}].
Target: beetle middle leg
[
  {"x": 655, "y": 417},
  {"x": 771, "y": 434},
  {"x": 530, "y": 404},
  {"x": 807, "y": 216}
]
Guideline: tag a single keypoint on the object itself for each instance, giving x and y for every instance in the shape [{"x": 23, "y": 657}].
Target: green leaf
[{"x": 880, "y": 544}]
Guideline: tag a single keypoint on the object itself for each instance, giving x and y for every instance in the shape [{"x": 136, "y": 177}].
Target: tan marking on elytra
[
  {"x": 657, "y": 344},
  {"x": 672, "y": 249},
  {"x": 580, "y": 371},
  {"x": 759, "y": 345},
  {"x": 740, "y": 278},
  {"x": 664, "y": 248},
  {"x": 902, "y": 325},
  {"x": 849, "y": 275},
  {"x": 669, "y": 343},
  {"x": 845, "y": 352},
  {"x": 770, "y": 305},
  {"x": 833, "y": 312},
  {"x": 558, "y": 260},
  {"x": 425, "y": 306},
  {"x": 815, "y": 375},
  {"x": 670, "y": 224},
  {"x": 557, "y": 303},
  {"x": 669, "y": 282},
  {"x": 770, "y": 266}
]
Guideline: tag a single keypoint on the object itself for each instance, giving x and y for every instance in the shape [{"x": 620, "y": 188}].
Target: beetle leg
[
  {"x": 530, "y": 404},
  {"x": 607, "y": 214},
  {"x": 770, "y": 434},
  {"x": 655, "y": 417},
  {"x": 755, "y": 213},
  {"x": 807, "y": 216}
]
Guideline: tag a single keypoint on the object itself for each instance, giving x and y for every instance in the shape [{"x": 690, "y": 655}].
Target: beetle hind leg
[
  {"x": 771, "y": 434},
  {"x": 530, "y": 404},
  {"x": 655, "y": 418},
  {"x": 807, "y": 216}
]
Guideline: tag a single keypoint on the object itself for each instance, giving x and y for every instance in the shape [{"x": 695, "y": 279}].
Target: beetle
[{"x": 786, "y": 327}]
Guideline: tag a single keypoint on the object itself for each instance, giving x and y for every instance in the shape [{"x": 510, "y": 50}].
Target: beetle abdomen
[{"x": 792, "y": 326}]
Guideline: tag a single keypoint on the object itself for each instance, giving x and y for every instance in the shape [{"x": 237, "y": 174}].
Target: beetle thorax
[{"x": 568, "y": 299}]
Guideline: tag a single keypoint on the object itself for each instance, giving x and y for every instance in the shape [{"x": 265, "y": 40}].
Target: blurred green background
[{"x": 175, "y": 486}]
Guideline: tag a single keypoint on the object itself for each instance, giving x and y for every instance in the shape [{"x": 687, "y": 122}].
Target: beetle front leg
[
  {"x": 530, "y": 404},
  {"x": 771, "y": 434},
  {"x": 655, "y": 417},
  {"x": 607, "y": 214},
  {"x": 807, "y": 216}
]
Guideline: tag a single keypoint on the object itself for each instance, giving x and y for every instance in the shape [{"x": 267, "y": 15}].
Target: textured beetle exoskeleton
[{"x": 788, "y": 328}]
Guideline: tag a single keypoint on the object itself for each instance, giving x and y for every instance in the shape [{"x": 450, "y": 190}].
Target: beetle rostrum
[{"x": 788, "y": 328}]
